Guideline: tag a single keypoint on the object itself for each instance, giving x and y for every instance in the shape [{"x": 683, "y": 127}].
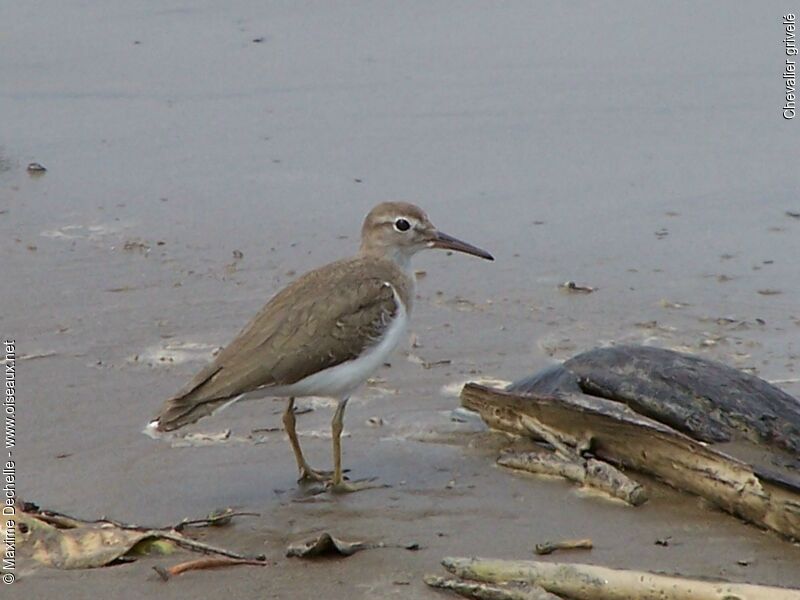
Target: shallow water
[{"x": 636, "y": 149}]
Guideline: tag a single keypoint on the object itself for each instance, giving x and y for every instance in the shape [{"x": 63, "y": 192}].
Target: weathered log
[
  {"x": 590, "y": 582},
  {"x": 617, "y": 434}
]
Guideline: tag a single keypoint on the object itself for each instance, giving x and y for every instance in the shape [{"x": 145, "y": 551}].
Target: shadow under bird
[{"x": 322, "y": 335}]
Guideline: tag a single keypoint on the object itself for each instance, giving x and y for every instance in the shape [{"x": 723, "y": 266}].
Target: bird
[{"x": 322, "y": 335}]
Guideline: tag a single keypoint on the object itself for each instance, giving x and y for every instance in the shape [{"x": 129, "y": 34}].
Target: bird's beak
[{"x": 448, "y": 242}]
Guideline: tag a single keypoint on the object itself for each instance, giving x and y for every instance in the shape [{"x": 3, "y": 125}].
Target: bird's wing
[{"x": 316, "y": 323}]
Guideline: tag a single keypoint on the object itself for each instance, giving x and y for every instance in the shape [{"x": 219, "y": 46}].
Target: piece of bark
[
  {"x": 592, "y": 473},
  {"x": 590, "y": 582},
  {"x": 624, "y": 437}
]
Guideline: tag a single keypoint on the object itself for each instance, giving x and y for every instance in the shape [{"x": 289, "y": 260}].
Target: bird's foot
[
  {"x": 348, "y": 487},
  {"x": 309, "y": 474}
]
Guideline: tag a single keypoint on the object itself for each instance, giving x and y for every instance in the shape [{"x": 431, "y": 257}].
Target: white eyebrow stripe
[{"x": 391, "y": 220}]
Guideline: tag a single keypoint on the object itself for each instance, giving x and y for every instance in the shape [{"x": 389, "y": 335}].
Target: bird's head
[{"x": 398, "y": 230}]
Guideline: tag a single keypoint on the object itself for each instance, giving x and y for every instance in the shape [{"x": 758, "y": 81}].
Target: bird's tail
[{"x": 185, "y": 410}]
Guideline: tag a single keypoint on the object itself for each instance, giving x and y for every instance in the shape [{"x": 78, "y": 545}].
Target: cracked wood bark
[{"x": 621, "y": 436}]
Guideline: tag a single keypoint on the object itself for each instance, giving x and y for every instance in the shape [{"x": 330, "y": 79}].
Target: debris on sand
[
  {"x": 665, "y": 541},
  {"x": 427, "y": 364},
  {"x": 573, "y": 288},
  {"x": 136, "y": 245},
  {"x": 37, "y": 355},
  {"x": 676, "y": 305}
]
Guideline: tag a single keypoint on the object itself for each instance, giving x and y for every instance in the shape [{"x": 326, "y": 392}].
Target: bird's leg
[
  {"x": 338, "y": 485},
  {"x": 306, "y": 472},
  {"x": 337, "y": 424}
]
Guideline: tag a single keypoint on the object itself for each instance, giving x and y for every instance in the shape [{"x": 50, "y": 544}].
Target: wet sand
[{"x": 636, "y": 149}]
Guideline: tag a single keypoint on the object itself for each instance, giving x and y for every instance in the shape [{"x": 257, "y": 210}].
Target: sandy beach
[{"x": 201, "y": 155}]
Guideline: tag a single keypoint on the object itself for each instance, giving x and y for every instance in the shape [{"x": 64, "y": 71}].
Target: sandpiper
[{"x": 322, "y": 335}]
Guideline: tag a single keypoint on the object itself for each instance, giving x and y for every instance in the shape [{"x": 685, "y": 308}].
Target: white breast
[{"x": 342, "y": 380}]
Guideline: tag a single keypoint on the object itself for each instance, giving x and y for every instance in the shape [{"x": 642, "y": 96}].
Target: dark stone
[{"x": 705, "y": 399}]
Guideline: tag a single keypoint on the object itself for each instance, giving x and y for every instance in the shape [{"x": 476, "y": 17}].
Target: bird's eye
[{"x": 402, "y": 225}]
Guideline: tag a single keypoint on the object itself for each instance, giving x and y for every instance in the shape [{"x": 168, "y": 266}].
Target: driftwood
[
  {"x": 590, "y": 582},
  {"x": 617, "y": 434}
]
